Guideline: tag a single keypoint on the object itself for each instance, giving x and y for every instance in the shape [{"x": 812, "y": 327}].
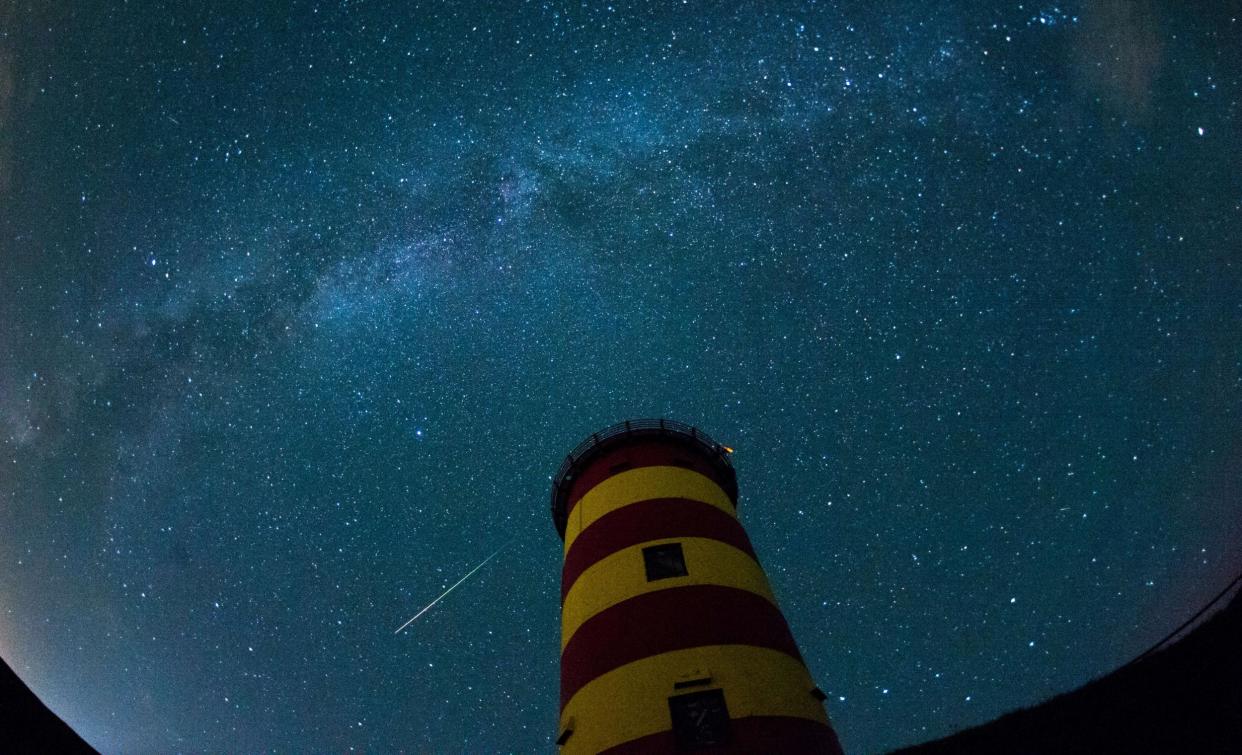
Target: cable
[{"x": 1186, "y": 623}]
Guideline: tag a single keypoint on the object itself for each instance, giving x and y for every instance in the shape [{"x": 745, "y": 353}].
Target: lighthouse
[{"x": 671, "y": 638}]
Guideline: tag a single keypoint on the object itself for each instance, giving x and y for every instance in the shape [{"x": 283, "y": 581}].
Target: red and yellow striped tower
[{"x": 671, "y": 639}]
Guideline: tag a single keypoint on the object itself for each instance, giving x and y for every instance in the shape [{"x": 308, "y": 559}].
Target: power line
[{"x": 1185, "y": 623}]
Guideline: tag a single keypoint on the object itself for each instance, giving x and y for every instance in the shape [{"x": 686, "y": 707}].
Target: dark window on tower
[
  {"x": 664, "y": 561},
  {"x": 700, "y": 719}
]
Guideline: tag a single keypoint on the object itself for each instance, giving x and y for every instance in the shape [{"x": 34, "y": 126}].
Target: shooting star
[{"x": 454, "y": 587}]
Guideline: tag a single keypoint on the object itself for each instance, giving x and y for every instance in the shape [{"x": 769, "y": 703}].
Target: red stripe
[
  {"x": 750, "y": 734},
  {"x": 647, "y": 452},
  {"x": 666, "y": 620},
  {"x": 640, "y": 522}
]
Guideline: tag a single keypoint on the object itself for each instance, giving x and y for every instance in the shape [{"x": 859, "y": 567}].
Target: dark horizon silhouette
[
  {"x": 1183, "y": 698},
  {"x": 1186, "y": 697},
  {"x": 29, "y": 726}
]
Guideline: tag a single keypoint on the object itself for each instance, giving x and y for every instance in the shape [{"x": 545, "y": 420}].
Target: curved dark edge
[{"x": 27, "y": 725}]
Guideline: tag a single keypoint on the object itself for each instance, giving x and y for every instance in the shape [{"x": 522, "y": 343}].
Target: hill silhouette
[
  {"x": 1184, "y": 698},
  {"x": 27, "y": 725}
]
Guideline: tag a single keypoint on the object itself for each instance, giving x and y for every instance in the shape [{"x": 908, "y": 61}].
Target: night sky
[{"x": 301, "y": 308}]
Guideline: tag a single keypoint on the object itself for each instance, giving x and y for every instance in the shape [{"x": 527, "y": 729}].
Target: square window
[
  {"x": 700, "y": 719},
  {"x": 664, "y": 561}
]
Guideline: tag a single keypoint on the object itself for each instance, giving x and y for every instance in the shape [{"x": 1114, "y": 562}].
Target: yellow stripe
[
  {"x": 622, "y": 575},
  {"x": 632, "y": 701},
  {"x": 643, "y": 484}
]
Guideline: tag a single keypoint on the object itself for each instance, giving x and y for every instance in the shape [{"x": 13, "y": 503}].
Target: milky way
[{"x": 300, "y": 309}]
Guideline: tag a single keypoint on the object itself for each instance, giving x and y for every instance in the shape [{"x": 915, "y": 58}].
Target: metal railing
[{"x": 645, "y": 426}]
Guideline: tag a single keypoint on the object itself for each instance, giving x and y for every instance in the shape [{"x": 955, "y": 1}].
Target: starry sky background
[{"x": 301, "y": 307}]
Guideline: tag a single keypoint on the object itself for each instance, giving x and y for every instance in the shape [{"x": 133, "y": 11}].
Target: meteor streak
[{"x": 454, "y": 587}]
